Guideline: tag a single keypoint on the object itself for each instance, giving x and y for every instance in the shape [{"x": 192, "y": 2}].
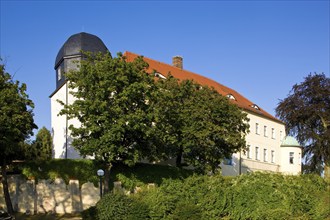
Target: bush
[
  {"x": 186, "y": 210},
  {"x": 89, "y": 214},
  {"x": 114, "y": 207},
  {"x": 119, "y": 206}
]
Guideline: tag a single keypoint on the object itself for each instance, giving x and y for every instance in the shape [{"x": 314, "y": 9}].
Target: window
[
  {"x": 272, "y": 155},
  {"x": 281, "y": 135},
  {"x": 257, "y": 153},
  {"x": 159, "y": 75},
  {"x": 248, "y": 151},
  {"x": 265, "y": 131},
  {"x": 265, "y": 155},
  {"x": 60, "y": 71},
  {"x": 228, "y": 161},
  {"x": 255, "y": 106},
  {"x": 230, "y": 96},
  {"x": 291, "y": 157},
  {"x": 299, "y": 158},
  {"x": 273, "y": 133},
  {"x": 257, "y": 128},
  {"x": 59, "y": 74}
]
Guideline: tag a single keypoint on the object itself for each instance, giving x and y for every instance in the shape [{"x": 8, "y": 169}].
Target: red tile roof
[{"x": 181, "y": 74}]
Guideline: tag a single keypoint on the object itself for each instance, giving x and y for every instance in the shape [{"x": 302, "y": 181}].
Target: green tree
[
  {"x": 197, "y": 123},
  {"x": 306, "y": 112},
  {"x": 41, "y": 148},
  {"x": 112, "y": 99},
  {"x": 16, "y": 124}
]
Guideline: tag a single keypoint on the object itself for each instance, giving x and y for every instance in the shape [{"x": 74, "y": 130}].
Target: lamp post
[{"x": 100, "y": 173}]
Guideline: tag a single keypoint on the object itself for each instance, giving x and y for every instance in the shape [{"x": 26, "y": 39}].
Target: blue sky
[{"x": 259, "y": 48}]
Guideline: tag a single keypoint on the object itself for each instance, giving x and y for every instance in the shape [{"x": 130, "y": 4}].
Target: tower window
[
  {"x": 59, "y": 74},
  {"x": 291, "y": 157},
  {"x": 60, "y": 71},
  {"x": 272, "y": 155}
]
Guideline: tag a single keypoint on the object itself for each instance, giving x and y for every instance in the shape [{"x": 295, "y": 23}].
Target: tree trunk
[
  {"x": 9, "y": 205},
  {"x": 107, "y": 178},
  {"x": 179, "y": 158}
]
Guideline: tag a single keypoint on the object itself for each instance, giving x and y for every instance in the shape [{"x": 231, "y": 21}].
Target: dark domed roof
[{"x": 80, "y": 42}]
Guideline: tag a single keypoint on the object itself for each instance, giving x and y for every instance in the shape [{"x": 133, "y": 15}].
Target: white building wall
[
  {"x": 61, "y": 140},
  {"x": 58, "y": 123},
  {"x": 270, "y": 141},
  {"x": 291, "y": 166}
]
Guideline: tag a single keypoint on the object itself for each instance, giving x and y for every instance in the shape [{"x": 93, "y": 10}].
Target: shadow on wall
[
  {"x": 235, "y": 166},
  {"x": 72, "y": 153},
  {"x": 50, "y": 196}
]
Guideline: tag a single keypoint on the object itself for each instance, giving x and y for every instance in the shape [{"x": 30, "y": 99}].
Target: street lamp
[{"x": 100, "y": 173}]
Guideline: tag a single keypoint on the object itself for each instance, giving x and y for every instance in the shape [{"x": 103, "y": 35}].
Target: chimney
[{"x": 177, "y": 61}]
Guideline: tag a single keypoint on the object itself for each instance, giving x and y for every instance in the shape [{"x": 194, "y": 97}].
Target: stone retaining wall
[{"x": 49, "y": 196}]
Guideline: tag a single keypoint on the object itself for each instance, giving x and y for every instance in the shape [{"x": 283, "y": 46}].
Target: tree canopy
[
  {"x": 16, "y": 124},
  {"x": 306, "y": 112},
  {"x": 41, "y": 148},
  {"x": 126, "y": 115},
  {"x": 197, "y": 123},
  {"x": 111, "y": 104}
]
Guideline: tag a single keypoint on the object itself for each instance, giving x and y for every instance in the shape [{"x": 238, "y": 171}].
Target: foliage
[
  {"x": 186, "y": 210},
  {"x": 119, "y": 206},
  {"x": 126, "y": 115},
  {"x": 141, "y": 174},
  {"x": 16, "y": 116},
  {"x": 89, "y": 214},
  {"x": 16, "y": 124},
  {"x": 198, "y": 123},
  {"x": 110, "y": 104},
  {"x": 306, "y": 112},
  {"x": 41, "y": 148},
  {"x": 82, "y": 170},
  {"x": 251, "y": 196},
  {"x": 85, "y": 171}
]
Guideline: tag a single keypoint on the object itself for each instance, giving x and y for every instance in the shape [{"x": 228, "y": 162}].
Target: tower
[{"x": 67, "y": 59}]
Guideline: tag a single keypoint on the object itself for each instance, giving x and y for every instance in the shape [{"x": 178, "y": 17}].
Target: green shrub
[
  {"x": 139, "y": 210},
  {"x": 89, "y": 214},
  {"x": 119, "y": 206},
  {"x": 186, "y": 210},
  {"x": 114, "y": 207}
]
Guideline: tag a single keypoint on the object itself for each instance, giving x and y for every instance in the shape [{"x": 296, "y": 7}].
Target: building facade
[{"x": 268, "y": 148}]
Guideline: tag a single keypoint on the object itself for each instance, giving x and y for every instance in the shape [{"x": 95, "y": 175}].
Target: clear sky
[{"x": 259, "y": 48}]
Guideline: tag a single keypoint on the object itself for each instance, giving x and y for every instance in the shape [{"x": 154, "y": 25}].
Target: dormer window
[
  {"x": 230, "y": 96},
  {"x": 255, "y": 106},
  {"x": 159, "y": 75}
]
